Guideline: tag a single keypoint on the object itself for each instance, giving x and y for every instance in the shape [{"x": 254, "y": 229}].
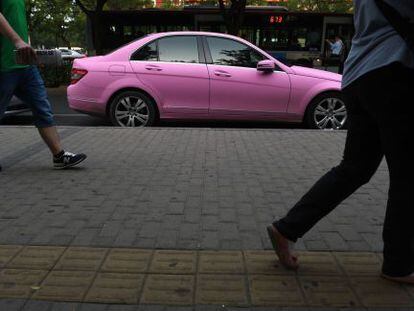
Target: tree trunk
[
  {"x": 233, "y": 16},
  {"x": 95, "y": 18}
]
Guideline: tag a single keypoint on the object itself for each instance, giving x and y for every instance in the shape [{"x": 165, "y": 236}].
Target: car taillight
[{"x": 77, "y": 74}]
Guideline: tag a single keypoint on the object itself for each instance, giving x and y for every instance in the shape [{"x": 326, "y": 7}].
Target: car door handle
[
  {"x": 153, "y": 68},
  {"x": 221, "y": 73}
]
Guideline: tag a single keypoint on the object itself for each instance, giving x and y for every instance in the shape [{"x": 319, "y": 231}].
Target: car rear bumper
[{"x": 87, "y": 106}]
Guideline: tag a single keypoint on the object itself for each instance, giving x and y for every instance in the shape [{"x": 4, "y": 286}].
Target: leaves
[
  {"x": 54, "y": 23},
  {"x": 337, "y": 6}
]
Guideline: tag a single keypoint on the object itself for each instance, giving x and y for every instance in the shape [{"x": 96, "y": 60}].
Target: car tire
[
  {"x": 327, "y": 112},
  {"x": 132, "y": 109}
]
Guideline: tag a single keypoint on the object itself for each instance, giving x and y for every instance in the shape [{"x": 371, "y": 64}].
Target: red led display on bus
[{"x": 276, "y": 19}]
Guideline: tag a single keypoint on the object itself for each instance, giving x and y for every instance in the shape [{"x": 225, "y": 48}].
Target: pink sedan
[{"x": 201, "y": 75}]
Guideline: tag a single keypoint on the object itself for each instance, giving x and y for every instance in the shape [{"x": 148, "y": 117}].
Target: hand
[{"x": 27, "y": 54}]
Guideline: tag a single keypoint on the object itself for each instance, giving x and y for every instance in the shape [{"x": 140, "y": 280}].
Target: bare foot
[
  {"x": 282, "y": 249},
  {"x": 409, "y": 279}
]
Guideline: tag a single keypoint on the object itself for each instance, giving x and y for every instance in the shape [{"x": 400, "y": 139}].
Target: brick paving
[
  {"x": 104, "y": 236},
  {"x": 178, "y": 188},
  {"x": 194, "y": 278}
]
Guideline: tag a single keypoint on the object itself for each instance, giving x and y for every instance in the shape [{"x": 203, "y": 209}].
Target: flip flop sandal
[{"x": 275, "y": 248}]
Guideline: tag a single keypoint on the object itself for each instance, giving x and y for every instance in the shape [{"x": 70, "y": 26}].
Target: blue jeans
[{"x": 27, "y": 85}]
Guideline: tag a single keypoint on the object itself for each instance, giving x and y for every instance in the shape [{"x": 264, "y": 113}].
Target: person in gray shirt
[{"x": 377, "y": 86}]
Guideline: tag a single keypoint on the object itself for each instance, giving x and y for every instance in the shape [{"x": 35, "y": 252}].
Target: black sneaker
[{"x": 68, "y": 159}]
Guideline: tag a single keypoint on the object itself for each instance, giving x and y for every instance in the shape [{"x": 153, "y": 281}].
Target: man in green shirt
[{"x": 25, "y": 82}]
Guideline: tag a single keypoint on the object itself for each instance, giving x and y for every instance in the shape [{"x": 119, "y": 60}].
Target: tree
[
  {"x": 337, "y": 6},
  {"x": 93, "y": 10},
  {"x": 257, "y": 2},
  {"x": 128, "y": 4},
  {"x": 54, "y": 23},
  {"x": 233, "y": 14},
  {"x": 169, "y": 4}
]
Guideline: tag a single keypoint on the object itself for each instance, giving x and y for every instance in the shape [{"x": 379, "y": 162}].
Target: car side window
[
  {"x": 148, "y": 52},
  {"x": 179, "y": 49},
  {"x": 232, "y": 53}
]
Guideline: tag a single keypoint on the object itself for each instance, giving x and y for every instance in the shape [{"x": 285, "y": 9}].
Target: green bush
[{"x": 55, "y": 77}]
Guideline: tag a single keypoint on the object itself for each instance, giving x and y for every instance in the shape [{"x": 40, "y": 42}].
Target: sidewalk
[{"x": 192, "y": 190}]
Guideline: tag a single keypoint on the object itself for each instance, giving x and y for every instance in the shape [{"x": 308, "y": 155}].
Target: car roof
[{"x": 194, "y": 33}]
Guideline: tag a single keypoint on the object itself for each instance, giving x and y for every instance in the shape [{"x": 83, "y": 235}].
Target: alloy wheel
[
  {"x": 131, "y": 111},
  {"x": 330, "y": 114}
]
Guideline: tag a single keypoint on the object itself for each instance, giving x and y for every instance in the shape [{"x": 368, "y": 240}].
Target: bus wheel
[
  {"x": 327, "y": 112},
  {"x": 132, "y": 109}
]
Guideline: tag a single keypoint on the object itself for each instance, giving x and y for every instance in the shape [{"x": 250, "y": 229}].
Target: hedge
[{"x": 54, "y": 77}]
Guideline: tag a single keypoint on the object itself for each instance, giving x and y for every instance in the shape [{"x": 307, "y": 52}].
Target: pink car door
[
  {"x": 237, "y": 87},
  {"x": 174, "y": 69}
]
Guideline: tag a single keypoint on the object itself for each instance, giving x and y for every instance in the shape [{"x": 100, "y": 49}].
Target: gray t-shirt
[{"x": 376, "y": 44}]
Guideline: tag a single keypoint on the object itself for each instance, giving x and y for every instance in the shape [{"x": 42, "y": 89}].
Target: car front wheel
[
  {"x": 327, "y": 112},
  {"x": 132, "y": 109}
]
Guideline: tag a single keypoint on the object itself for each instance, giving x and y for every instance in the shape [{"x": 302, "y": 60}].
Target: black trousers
[
  {"x": 341, "y": 66},
  {"x": 381, "y": 123}
]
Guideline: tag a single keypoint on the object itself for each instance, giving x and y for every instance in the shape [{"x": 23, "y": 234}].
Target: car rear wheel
[
  {"x": 327, "y": 112},
  {"x": 132, "y": 109}
]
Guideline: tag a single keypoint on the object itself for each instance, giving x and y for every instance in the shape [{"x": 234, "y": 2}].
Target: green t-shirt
[{"x": 15, "y": 13}]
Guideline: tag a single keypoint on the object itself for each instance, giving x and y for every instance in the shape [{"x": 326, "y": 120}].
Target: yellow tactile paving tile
[
  {"x": 172, "y": 277},
  {"x": 276, "y": 290},
  {"x": 328, "y": 291},
  {"x": 410, "y": 289},
  {"x": 7, "y": 252},
  {"x": 174, "y": 262},
  {"x": 127, "y": 260},
  {"x": 36, "y": 257},
  {"x": 169, "y": 290},
  {"x": 65, "y": 286},
  {"x": 377, "y": 292},
  {"x": 359, "y": 264},
  {"x": 116, "y": 288},
  {"x": 81, "y": 258},
  {"x": 318, "y": 263},
  {"x": 17, "y": 283},
  {"x": 221, "y": 289},
  {"x": 264, "y": 262},
  {"x": 218, "y": 262}
]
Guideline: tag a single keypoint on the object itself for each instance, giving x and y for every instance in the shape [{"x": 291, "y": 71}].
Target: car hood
[{"x": 316, "y": 73}]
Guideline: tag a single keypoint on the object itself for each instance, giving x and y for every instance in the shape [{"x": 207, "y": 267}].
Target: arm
[{"x": 8, "y": 31}]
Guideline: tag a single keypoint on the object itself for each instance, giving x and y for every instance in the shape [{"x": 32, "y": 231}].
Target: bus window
[
  {"x": 274, "y": 39},
  {"x": 248, "y": 34},
  {"x": 314, "y": 39},
  {"x": 298, "y": 39}
]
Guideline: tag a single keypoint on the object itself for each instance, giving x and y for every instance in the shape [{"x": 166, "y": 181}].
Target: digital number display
[{"x": 276, "y": 19}]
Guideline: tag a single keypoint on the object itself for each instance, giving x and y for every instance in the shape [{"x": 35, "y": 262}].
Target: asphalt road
[{"x": 67, "y": 117}]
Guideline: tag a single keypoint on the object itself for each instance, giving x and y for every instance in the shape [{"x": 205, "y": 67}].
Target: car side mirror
[{"x": 266, "y": 66}]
